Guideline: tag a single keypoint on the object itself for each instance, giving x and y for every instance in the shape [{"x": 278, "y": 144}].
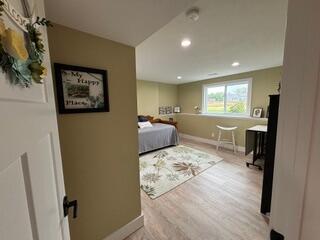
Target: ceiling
[
  {"x": 126, "y": 21},
  {"x": 248, "y": 31}
]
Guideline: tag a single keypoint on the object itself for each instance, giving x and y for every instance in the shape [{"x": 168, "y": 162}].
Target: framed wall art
[
  {"x": 81, "y": 89},
  {"x": 168, "y": 110},
  {"x": 177, "y": 109},
  {"x": 162, "y": 110},
  {"x": 257, "y": 112}
]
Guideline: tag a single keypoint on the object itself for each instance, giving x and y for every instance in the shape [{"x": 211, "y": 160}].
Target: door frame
[{"x": 297, "y": 115}]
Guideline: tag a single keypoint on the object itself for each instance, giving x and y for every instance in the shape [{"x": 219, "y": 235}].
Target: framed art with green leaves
[{"x": 81, "y": 89}]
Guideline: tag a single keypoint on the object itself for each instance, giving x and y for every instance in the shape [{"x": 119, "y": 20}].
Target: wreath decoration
[{"x": 21, "y": 56}]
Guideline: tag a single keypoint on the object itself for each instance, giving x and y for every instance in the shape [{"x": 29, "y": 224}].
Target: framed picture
[
  {"x": 168, "y": 110},
  {"x": 257, "y": 112},
  {"x": 81, "y": 89},
  {"x": 165, "y": 110},
  {"x": 162, "y": 110},
  {"x": 176, "y": 109}
]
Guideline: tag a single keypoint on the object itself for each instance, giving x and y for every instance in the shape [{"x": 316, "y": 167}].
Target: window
[{"x": 232, "y": 97}]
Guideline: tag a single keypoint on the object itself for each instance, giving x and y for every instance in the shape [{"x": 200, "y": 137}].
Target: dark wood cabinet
[{"x": 270, "y": 154}]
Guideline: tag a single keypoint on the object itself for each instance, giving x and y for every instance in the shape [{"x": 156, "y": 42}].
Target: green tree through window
[{"x": 231, "y": 97}]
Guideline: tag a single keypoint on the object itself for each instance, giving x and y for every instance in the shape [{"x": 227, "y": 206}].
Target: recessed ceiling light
[
  {"x": 179, "y": 77},
  {"x": 185, "y": 43},
  {"x": 235, "y": 64}
]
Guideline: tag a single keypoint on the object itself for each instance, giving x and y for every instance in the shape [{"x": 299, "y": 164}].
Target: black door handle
[{"x": 72, "y": 204}]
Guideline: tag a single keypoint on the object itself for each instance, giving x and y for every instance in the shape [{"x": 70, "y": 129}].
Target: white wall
[
  {"x": 311, "y": 213},
  {"x": 295, "y": 210}
]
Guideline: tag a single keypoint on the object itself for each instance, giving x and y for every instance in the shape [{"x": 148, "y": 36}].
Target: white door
[
  {"x": 295, "y": 207},
  {"x": 31, "y": 179}
]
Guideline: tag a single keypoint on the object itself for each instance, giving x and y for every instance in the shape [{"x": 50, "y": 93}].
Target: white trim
[
  {"x": 127, "y": 229},
  {"x": 292, "y": 209},
  {"x": 243, "y": 117},
  {"x": 226, "y": 84},
  {"x": 211, "y": 142}
]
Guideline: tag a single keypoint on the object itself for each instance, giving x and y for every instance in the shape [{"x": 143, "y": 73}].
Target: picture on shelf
[
  {"x": 168, "y": 110},
  {"x": 165, "y": 110},
  {"x": 162, "y": 110},
  {"x": 176, "y": 109},
  {"x": 257, "y": 112}
]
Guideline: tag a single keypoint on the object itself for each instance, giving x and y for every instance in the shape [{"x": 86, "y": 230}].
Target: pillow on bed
[
  {"x": 144, "y": 124},
  {"x": 142, "y": 118}
]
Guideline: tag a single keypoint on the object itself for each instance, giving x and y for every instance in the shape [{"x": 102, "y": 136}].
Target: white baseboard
[
  {"x": 127, "y": 229},
  {"x": 211, "y": 142}
]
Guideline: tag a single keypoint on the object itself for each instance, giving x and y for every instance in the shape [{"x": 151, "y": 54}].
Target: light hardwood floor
[{"x": 221, "y": 203}]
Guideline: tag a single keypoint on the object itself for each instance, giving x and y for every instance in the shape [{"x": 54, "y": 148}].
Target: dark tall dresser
[{"x": 270, "y": 154}]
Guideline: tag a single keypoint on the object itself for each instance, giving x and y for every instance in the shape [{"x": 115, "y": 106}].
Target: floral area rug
[{"x": 163, "y": 170}]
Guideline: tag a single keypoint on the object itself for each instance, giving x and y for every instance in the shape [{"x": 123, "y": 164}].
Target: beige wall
[
  {"x": 152, "y": 95},
  {"x": 264, "y": 83},
  {"x": 99, "y": 150},
  {"x": 205, "y": 126},
  {"x": 148, "y": 98}
]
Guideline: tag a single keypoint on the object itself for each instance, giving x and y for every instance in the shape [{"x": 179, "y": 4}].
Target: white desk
[
  {"x": 258, "y": 128},
  {"x": 255, "y": 141}
]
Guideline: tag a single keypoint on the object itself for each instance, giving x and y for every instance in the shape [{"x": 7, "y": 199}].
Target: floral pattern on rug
[{"x": 165, "y": 169}]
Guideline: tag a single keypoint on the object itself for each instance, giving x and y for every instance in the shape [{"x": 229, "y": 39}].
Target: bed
[{"x": 158, "y": 136}]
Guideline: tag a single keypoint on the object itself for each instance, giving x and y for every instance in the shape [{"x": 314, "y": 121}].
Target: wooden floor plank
[{"x": 221, "y": 203}]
